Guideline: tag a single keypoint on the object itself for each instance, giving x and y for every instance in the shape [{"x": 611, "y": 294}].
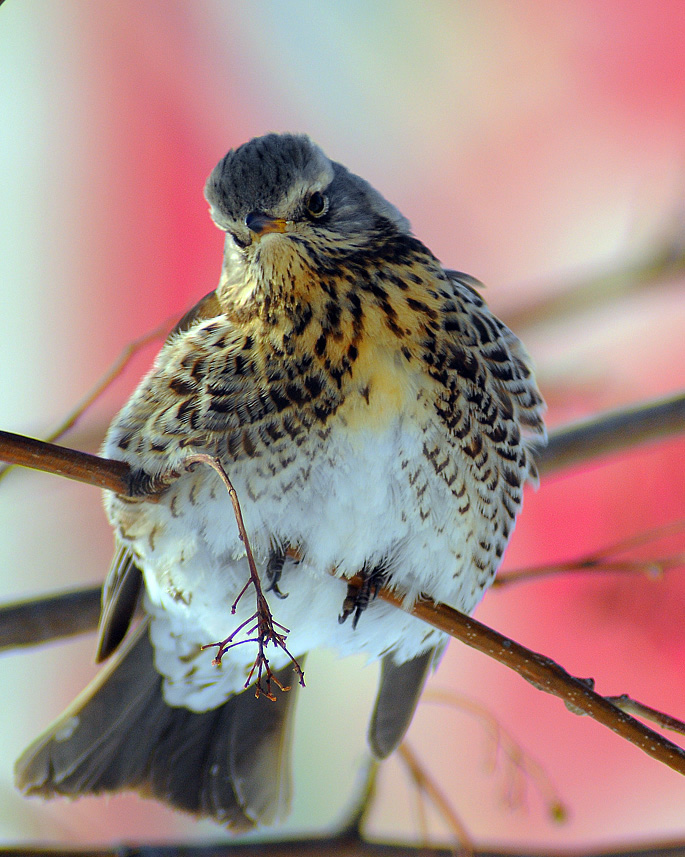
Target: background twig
[
  {"x": 613, "y": 431},
  {"x": 333, "y": 846}
]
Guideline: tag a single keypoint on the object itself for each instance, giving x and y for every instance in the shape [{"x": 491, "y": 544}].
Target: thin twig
[
  {"x": 541, "y": 671},
  {"x": 266, "y": 628},
  {"x": 427, "y": 785},
  {"x": 632, "y": 706},
  {"x": 603, "y": 559},
  {"x": 652, "y": 567}
]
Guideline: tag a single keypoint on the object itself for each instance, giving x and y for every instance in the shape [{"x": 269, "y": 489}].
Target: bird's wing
[
  {"x": 124, "y": 580},
  {"x": 119, "y": 600},
  {"x": 492, "y": 363}
]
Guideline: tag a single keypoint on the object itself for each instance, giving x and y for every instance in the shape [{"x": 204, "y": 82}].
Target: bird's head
[{"x": 288, "y": 212}]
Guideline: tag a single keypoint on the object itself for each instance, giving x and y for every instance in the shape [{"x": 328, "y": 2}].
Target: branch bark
[
  {"x": 331, "y": 846},
  {"x": 62, "y": 461},
  {"x": 613, "y": 431},
  {"x": 634, "y": 425}
]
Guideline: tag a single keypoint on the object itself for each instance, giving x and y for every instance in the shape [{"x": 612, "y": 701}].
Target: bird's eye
[{"x": 317, "y": 204}]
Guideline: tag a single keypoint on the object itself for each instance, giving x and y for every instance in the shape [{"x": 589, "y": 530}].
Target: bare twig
[
  {"x": 604, "y": 560},
  {"x": 266, "y": 627},
  {"x": 427, "y": 785},
  {"x": 652, "y": 567},
  {"x": 62, "y": 461},
  {"x": 632, "y": 706}
]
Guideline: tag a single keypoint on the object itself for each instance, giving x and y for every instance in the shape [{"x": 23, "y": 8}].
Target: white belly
[{"x": 355, "y": 505}]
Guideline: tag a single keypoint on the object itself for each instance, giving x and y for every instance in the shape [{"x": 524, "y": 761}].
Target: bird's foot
[{"x": 361, "y": 590}]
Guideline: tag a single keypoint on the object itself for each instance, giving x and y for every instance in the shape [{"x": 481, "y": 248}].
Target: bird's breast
[{"x": 382, "y": 389}]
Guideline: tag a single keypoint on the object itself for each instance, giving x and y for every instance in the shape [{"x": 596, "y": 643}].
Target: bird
[{"x": 376, "y": 423}]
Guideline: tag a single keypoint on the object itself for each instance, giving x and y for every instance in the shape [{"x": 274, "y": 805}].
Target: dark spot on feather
[
  {"x": 183, "y": 388},
  {"x": 420, "y": 306},
  {"x": 320, "y": 346},
  {"x": 279, "y": 399},
  {"x": 295, "y": 393},
  {"x": 313, "y": 385}
]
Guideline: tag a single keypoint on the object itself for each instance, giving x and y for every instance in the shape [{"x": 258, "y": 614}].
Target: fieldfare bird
[{"x": 377, "y": 423}]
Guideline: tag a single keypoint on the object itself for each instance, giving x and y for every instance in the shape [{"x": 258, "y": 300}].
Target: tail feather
[
  {"x": 231, "y": 764},
  {"x": 399, "y": 692}
]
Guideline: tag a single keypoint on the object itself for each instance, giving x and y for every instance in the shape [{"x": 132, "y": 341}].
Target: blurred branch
[
  {"x": 426, "y": 785},
  {"x": 332, "y": 846},
  {"x": 613, "y": 431},
  {"x": 666, "y": 259},
  {"x": 112, "y": 373},
  {"x": 605, "y": 560},
  {"x": 41, "y": 620},
  {"x": 519, "y": 768}
]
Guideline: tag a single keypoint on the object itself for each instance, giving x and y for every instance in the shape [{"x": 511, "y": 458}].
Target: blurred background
[{"x": 537, "y": 145}]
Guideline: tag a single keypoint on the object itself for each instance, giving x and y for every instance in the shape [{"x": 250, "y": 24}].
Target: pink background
[{"x": 530, "y": 144}]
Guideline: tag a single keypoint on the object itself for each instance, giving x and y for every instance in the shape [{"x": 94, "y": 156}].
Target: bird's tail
[{"x": 231, "y": 764}]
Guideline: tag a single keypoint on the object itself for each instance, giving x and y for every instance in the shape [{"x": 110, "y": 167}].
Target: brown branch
[
  {"x": 62, "y": 461},
  {"x": 544, "y": 674},
  {"x": 539, "y": 670},
  {"x": 330, "y": 846},
  {"x": 613, "y": 431},
  {"x": 664, "y": 260}
]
